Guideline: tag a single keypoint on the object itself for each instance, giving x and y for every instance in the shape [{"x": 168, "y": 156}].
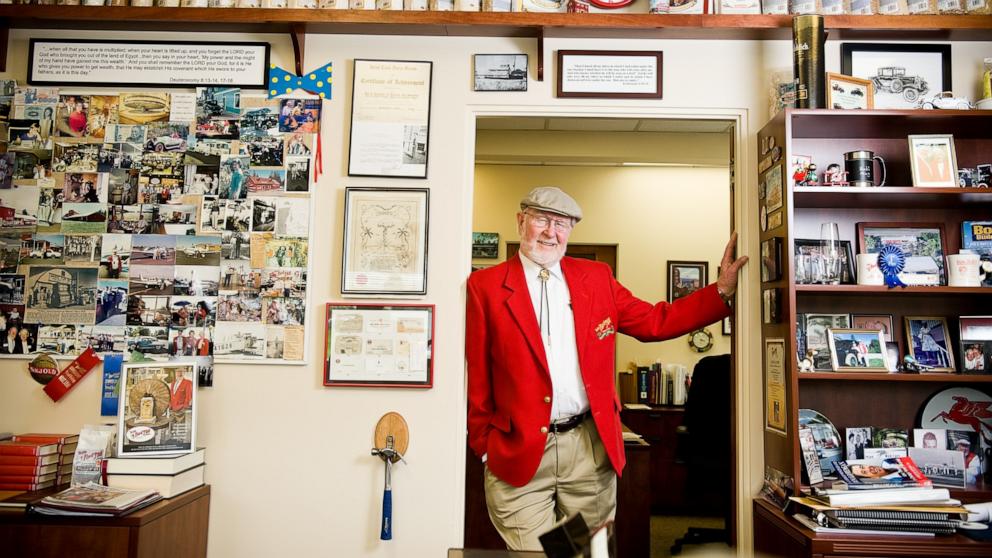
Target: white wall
[{"x": 289, "y": 459}]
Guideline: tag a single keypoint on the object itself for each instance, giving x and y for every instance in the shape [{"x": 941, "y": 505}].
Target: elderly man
[{"x": 542, "y": 408}]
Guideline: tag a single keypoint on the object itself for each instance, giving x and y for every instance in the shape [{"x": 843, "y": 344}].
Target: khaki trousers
[{"x": 575, "y": 476}]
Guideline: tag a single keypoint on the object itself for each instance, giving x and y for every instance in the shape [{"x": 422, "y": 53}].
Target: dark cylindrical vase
[{"x": 807, "y": 55}]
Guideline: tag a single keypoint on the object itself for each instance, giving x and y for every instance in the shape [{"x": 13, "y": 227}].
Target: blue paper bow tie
[{"x": 317, "y": 82}]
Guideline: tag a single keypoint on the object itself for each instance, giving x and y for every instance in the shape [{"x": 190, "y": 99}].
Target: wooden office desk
[
  {"x": 778, "y": 535},
  {"x": 172, "y": 528}
]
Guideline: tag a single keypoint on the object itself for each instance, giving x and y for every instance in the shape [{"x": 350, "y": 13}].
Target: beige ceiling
[{"x": 545, "y": 141}]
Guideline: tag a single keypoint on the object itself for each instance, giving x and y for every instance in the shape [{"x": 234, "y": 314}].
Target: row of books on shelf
[
  {"x": 867, "y": 343},
  {"x": 655, "y": 385},
  {"x": 35, "y": 461}
]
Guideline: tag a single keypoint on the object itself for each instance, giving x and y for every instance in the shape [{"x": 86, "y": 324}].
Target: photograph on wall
[
  {"x": 390, "y": 118},
  {"x": 685, "y": 278},
  {"x": 500, "y": 72},
  {"x": 485, "y": 245},
  {"x": 385, "y": 241},
  {"x": 157, "y": 414},
  {"x": 129, "y": 216}
]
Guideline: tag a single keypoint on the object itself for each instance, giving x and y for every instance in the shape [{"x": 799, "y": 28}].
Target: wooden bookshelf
[
  {"x": 517, "y": 24},
  {"x": 896, "y": 377}
]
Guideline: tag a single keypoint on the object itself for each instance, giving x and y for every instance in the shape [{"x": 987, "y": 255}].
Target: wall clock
[{"x": 701, "y": 340}]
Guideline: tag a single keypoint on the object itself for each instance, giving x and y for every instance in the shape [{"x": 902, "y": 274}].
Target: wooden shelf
[
  {"x": 873, "y": 290},
  {"x": 887, "y": 124},
  {"x": 896, "y": 377},
  {"x": 890, "y": 196},
  {"x": 922, "y": 27}
]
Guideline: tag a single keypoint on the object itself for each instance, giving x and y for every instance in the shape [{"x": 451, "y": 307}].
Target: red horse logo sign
[{"x": 974, "y": 414}]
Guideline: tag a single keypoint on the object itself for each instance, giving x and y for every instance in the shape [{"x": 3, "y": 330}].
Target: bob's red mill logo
[
  {"x": 981, "y": 231},
  {"x": 43, "y": 368}
]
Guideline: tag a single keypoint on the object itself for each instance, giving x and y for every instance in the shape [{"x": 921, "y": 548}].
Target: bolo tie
[{"x": 545, "y": 325}]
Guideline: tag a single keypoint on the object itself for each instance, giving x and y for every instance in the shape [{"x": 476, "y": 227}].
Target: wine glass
[{"x": 830, "y": 253}]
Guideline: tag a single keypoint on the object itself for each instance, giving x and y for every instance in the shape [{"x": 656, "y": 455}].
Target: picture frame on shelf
[
  {"x": 609, "y": 74},
  {"x": 849, "y": 92},
  {"x": 807, "y": 250},
  {"x": 902, "y": 74},
  {"x": 878, "y": 322},
  {"x": 157, "y": 413},
  {"x": 933, "y": 161},
  {"x": 379, "y": 345},
  {"x": 922, "y": 244},
  {"x": 385, "y": 260},
  {"x": 485, "y": 245},
  {"x": 685, "y": 278},
  {"x": 929, "y": 342},
  {"x": 390, "y": 118},
  {"x": 975, "y": 344},
  {"x": 771, "y": 259},
  {"x": 892, "y": 352},
  {"x": 500, "y": 72},
  {"x": 817, "y": 339},
  {"x": 857, "y": 350}
]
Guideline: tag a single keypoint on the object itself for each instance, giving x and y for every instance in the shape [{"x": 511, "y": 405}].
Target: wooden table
[
  {"x": 778, "y": 535},
  {"x": 172, "y": 528}
]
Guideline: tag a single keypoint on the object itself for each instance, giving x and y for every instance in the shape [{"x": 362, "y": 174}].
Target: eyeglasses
[{"x": 542, "y": 222}]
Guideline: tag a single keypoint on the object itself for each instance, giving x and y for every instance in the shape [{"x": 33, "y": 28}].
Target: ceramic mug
[
  {"x": 962, "y": 270},
  {"x": 868, "y": 271}
]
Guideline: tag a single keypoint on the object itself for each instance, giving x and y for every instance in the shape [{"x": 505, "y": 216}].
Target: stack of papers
[{"x": 93, "y": 499}]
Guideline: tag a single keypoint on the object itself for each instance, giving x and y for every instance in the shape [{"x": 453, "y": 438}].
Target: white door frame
[{"x": 749, "y": 394}]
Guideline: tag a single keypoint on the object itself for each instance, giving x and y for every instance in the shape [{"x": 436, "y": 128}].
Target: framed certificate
[
  {"x": 385, "y": 241},
  {"x": 390, "y": 118},
  {"x": 621, "y": 74},
  {"x": 378, "y": 345}
]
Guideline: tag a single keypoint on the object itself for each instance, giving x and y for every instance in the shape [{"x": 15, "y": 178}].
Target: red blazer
[
  {"x": 182, "y": 397},
  {"x": 509, "y": 384}
]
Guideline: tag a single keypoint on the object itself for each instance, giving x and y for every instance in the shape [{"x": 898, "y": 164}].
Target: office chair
[{"x": 703, "y": 445}]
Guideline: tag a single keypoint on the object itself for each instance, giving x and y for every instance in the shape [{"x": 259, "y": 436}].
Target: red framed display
[{"x": 379, "y": 345}]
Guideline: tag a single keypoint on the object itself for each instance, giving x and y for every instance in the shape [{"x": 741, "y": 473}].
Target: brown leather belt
[{"x": 571, "y": 422}]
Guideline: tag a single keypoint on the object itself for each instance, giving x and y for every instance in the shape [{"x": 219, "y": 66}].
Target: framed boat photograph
[
  {"x": 385, "y": 241},
  {"x": 379, "y": 345}
]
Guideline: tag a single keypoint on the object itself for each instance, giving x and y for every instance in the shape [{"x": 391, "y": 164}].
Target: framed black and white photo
[
  {"x": 375, "y": 345},
  {"x": 390, "y": 118},
  {"x": 485, "y": 245},
  {"x": 500, "y": 72},
  {"x": 685, "y": 278},
  {"x": 901, "y": 74},
  {"x": 385, "y": 241}
]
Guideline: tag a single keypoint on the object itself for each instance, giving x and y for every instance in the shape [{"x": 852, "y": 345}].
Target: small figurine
[
  {"x": 811, "y": 179},
  {"x": 806, "y": 364},
  {"x": 833, "y": 176},
  {"x": 910, "y": 365}
]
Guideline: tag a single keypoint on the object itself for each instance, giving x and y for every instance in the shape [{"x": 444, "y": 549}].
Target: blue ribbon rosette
[{"x": 891, "y": 261}]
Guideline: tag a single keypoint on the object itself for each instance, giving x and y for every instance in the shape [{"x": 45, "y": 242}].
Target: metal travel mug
[{"x": 861, "y": 170}]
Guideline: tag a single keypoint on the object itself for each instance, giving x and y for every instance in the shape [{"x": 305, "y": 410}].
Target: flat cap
[{"x": 551, "y": 199}]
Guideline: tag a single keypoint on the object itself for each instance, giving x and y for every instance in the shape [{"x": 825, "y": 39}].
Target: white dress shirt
[{"x": 569, "y": 397}]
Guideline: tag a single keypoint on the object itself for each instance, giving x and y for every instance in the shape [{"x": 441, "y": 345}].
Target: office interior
[{"x": 288, "y": 458}]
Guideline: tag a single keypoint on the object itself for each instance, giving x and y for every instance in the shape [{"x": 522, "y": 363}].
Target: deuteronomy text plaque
[{"x": 147, "y": 63}]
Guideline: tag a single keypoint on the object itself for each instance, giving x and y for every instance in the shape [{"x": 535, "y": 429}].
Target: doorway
[{"x": 666, "y": 182}]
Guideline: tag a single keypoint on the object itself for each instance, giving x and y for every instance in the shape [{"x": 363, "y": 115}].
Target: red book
[
  {"x": 25, "y": 486},
  {"x": 8, "y": 447},
  {"x": 47, "y": 438},
  {"x": 27, "y": 469},
  {"x": 32, "y": 460},
  {"x": 37, "y": 479}
]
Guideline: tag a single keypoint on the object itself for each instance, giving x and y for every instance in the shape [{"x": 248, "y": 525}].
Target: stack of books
[
  {"x": 93, "y": 499},
  {"x": 66, "y": 451},
  {"x": 892, "y": 498},
  {"x": 169, "y": 476},
  {"x": 28, "y": 465}
]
